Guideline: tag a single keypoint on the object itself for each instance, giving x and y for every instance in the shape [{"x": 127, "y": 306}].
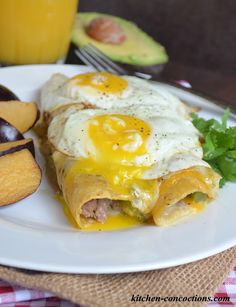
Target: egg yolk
[
  {"x": 118, "y": 138},
  {"x": 118, "y": 141},
  {"x": 102, "y": 81}
]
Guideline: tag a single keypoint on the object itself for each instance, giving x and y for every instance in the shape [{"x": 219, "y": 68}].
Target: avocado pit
[{"x": 106, "y": 31}]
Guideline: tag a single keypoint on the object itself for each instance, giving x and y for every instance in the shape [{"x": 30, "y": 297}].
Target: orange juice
[{"x": 35, "y": 31}]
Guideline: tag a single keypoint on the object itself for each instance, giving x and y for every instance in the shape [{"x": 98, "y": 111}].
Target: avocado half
[{"x": 138, "y": 48}]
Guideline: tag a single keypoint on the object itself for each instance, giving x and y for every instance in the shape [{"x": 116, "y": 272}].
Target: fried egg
[{"x": 107, "y": 91}]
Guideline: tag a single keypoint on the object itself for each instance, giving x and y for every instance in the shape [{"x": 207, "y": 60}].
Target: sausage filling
[{"x": 97, "y": 209}]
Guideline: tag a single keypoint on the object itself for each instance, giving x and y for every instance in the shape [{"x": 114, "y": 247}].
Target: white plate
[{"x": 35, "y": 234}]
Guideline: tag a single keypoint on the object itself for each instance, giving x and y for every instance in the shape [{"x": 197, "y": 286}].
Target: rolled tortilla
[
  {"x": 176, "y": 194},
  {"x": 172, "y": 204},
  {"x": 77, "y": 189}
]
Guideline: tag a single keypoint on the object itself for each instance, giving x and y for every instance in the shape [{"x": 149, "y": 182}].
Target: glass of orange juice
[{"x": 35, "y": 31}]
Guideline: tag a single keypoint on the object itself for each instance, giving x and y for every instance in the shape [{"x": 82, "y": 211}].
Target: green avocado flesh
[{"x": 137, "y": 49}]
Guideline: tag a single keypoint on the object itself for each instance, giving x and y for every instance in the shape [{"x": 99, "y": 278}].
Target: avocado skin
[{"x": 138, "y": 49}]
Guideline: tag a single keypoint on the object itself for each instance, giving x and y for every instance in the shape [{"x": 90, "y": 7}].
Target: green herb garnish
[{"x": 219, "y": 145}]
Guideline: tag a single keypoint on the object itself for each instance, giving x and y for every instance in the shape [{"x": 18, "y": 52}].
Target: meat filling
[{"x": 97, "y": 209}]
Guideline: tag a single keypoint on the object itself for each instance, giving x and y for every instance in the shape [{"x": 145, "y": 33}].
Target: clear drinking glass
[{"x": 35, "y": 31}]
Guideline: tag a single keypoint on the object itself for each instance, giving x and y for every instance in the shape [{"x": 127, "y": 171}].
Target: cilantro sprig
[{"x": 219, "y": 145}]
